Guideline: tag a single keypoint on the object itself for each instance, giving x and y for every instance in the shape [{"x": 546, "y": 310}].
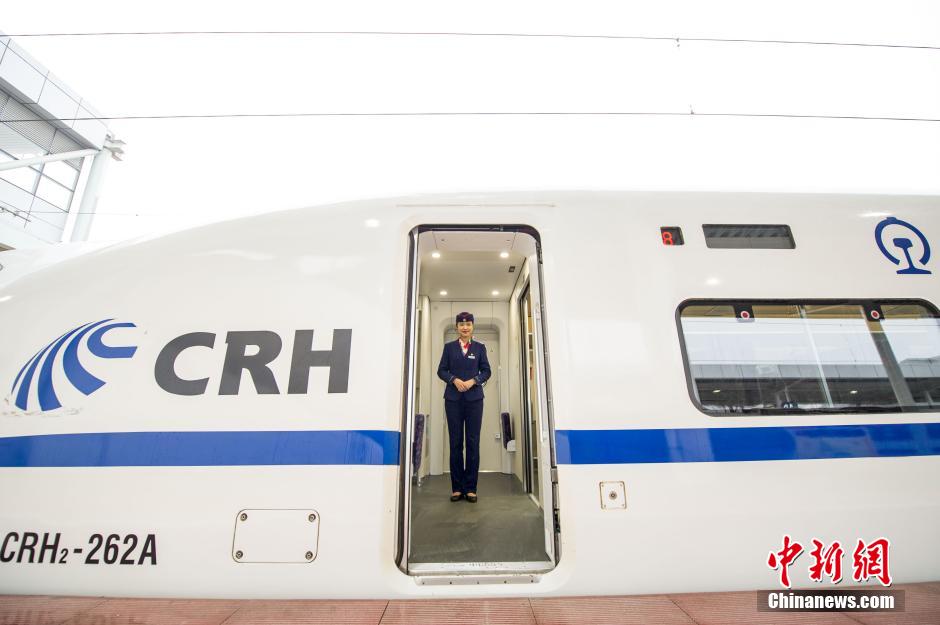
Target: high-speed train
[{"x": 683, "y": 384}]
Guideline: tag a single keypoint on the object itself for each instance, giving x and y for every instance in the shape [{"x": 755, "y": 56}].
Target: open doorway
[{"x": 493, "y": 273}]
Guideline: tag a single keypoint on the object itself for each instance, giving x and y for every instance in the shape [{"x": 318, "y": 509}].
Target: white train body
[{"x": 130, "y": 458}]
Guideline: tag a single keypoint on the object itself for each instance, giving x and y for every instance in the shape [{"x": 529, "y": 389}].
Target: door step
[{"x": 485, "y": 569}]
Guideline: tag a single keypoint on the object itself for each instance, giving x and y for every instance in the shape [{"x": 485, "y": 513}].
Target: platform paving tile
[
  {"x": 640, "y": 610},
  {"x": 930, "y": 586},
  {"x": 43, "y": 610},
  {"x": 157, "y": 612},
  {"x": 740, "y": 608},
  {"x": 326, "y": 612},
  {"x": 921, "y": 606},
  {"x": 462, "y": 611}
]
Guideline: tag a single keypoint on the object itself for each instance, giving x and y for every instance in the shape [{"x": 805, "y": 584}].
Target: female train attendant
[{"x": 465, "y": 369}]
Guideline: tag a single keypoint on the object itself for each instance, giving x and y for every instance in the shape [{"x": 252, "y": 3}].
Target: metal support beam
[
  {"x": 86, "y": 209},
  {"x": 89, "y": 203},
  {"x": 48, "y": 158}
]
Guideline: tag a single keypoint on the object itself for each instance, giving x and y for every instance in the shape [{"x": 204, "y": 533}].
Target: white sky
[{"x": 179, "y": 173}]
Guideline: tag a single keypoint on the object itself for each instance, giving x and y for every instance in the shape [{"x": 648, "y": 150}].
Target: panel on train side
[
  {"x": 724, "y": 488},
  {"x": 158, "y": 391}
]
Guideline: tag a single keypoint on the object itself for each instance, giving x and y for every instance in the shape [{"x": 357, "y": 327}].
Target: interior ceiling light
[
  {"x": 495, "y": 292},
  {"x": 435, "y": 254},
  {"x": 443, "y": 292},
  {"x": 504, "y": 254}
]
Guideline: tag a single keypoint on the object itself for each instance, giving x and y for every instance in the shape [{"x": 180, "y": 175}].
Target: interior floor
[{"x": 505, "y": 525}]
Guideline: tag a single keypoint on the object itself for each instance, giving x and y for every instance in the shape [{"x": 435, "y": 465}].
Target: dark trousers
[{"x": 460, "y": 415}]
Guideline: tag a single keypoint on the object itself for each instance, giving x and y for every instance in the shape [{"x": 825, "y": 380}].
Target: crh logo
[
  {"x": 266, "y": 346},
  {"x": 79, "y": 377},
  {"x": 902, "y": 236}
]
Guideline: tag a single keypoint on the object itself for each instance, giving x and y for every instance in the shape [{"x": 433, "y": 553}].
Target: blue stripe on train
[
  {"x": 150, "y": 449},
  {"x": 737, "y": 444},
  {"x": 381, "y": 447}
]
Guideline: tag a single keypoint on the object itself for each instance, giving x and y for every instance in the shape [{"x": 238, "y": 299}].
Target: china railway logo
[
  {"x": 902, "y": 237},
  {"x": 41, "y": 366}
]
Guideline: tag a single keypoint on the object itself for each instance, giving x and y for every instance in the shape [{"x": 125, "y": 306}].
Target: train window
[{"x": 764, "y": 357}]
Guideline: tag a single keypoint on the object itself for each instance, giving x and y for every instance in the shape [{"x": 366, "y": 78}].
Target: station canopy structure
[{"x": 53, "y": 150}]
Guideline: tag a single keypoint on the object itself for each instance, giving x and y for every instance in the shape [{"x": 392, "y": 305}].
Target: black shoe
[
  {"x": 456, "y": 497},
  {"x": 472, "y": 498}
]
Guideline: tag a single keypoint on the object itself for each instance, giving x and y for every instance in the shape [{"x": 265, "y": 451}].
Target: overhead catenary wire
[
  {"x": 28, "y": 215},
  {"x": 676, "y": 39},
  {"x": 23, "y": 214},
  {"x": 690, "y": 113},
  {"x": 106, "y": 214},
  {"x": 6, "y": 207},
  {"x": 395, "y": 33}
]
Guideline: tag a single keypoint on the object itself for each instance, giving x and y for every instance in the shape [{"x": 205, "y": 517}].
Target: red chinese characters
[
  {"x": 868, "y": 560},
  {"x": 871, "y": 560},
  {"x": 828, "y": 562},
  {"x": 784, "y": 558}
]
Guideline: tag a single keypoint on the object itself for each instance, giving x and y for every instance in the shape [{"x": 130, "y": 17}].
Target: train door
[
  {"x": 494, "y": 273},
  {"x": 538, "y": 457}
]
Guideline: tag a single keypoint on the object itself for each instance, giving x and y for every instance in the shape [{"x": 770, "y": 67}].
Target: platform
[{"x": 922, "y": 607}]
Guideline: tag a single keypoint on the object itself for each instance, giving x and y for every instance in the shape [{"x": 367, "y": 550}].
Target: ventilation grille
[
  {"x": 749, "y": 236},
  {"x": 62, "y": 143},
  {"x": 37, "y": 131}
]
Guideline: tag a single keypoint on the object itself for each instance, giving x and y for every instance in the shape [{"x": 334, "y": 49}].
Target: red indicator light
[{"x": 671, "y": 235}]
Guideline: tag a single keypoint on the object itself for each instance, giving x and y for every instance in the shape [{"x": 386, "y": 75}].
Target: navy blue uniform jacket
[{"x": 455, "y": 365}]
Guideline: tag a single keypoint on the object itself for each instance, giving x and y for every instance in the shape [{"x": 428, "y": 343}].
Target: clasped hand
[{"x": 464, "y": 385}]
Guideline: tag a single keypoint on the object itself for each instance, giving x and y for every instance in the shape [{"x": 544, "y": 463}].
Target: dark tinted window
[
  {"x": 782, "y": 357},
  {"x": 750, "y": 236}
]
